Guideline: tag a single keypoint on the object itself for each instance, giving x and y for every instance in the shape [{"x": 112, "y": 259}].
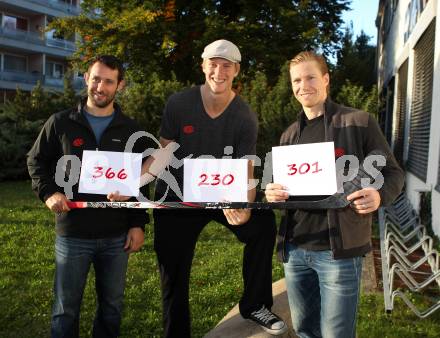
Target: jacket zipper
[{"x": 298, "y": 134}]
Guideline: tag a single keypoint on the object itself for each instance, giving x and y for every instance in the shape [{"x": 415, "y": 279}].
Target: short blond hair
[{"x": 310, "y": 56}]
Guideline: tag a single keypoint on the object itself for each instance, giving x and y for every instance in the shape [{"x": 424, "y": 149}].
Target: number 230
[{"x": 216, "y": 179}]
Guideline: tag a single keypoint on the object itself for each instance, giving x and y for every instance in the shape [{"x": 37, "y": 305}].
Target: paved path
[{"x": 234, "y": 326}]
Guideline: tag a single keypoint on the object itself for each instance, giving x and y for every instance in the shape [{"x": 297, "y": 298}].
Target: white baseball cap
[{"x": 222, "y": 49}]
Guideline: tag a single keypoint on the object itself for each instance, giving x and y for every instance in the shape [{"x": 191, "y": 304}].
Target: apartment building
[
  {"x": 408, "y": 60},
  {"x": 27, "y": 52}
]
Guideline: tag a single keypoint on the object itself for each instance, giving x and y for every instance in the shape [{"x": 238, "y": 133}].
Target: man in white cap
[{"x": 204, "y": 120}]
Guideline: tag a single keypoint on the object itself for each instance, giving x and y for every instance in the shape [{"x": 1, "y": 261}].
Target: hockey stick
[
  {"x": 335, "y": 201},
  {"x": 211, "y": 205}
]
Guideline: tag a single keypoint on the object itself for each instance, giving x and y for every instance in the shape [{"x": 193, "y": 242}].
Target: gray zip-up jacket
[{"x": 354, "y": 132}]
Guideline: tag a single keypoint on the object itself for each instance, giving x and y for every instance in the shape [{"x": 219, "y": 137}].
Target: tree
[
  {"x": 167, "y": 37},
  {"x": 41, "y": 104},
  {"x": 355, "y": 62},
  {"x": 16, "y": 135},
  {"x": 145, "y": 101},
  {"x": 21, "y": 120},
  {"x": 276, "y": 107},
  {"x": 69, "y": 97},
  {"x": 19, "y": 106},
  {"x": 357, "y": 97}
]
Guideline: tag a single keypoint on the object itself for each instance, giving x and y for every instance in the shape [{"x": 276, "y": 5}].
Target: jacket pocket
[{"x": 355, "y": 229}]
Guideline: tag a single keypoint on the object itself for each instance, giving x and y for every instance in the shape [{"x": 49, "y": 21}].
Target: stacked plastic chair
[{"x": 401, "y": 237}]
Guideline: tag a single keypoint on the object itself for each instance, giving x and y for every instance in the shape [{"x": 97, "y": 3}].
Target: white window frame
[
  {"x": 53, "y": 68},
  {"x": 15, "y": 16}
]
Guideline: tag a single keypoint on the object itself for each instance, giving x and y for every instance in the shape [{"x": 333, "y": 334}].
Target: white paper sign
[
  {"x": 103, "y": 172},
  {"x": 215, "y": 180},
  {"x": 306, "y": 169}
]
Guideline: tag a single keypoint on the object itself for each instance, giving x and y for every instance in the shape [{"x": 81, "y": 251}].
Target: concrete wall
[{"x": 37, "y": 24}]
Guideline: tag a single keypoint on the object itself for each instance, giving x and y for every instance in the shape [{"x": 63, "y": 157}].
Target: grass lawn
[{"x": 27, "y": 267}]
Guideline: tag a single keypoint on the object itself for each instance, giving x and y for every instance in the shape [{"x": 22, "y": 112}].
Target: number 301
[{"x": 304, "y": 168}]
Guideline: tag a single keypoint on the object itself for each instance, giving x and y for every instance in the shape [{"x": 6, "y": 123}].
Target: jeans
[
  {"x": 73, "y": 259},
  {"x": 323, "y": 293}
]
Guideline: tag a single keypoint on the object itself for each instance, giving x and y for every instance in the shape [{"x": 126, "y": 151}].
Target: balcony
[
  {"x": 27, "y": 39},
  {"x": 26, "y": 36},
  {"x": 78, "y": 82},
  {"x": 54, "y": 8},
  {"x": 59, "y": 43},
  {"x": 27, "y": 80},
  {"x": 53, "y": 82},
  {"x": 58, "y": 5},
  {"x": 20, "y": 77}
]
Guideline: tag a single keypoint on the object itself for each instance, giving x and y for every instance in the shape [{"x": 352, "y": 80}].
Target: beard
[{"x": 106, "y": 101}]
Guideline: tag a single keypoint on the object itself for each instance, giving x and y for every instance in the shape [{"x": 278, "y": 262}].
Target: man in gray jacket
[{"x": 322, "y": 250}]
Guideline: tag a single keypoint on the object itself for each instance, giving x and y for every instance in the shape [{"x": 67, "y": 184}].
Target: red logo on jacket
[
  {"x": 188, "y": 129},
  {"x": 78, "y": 142},
  {"x": 339, "y": 152}
]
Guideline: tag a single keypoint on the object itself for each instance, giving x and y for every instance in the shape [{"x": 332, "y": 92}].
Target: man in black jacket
[
  {"x": 102, "y": 237},
  {"x": 322, "y": 250},
  {"x": 206, "y": 120}
]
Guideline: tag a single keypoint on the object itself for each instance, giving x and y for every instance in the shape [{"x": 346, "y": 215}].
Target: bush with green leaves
[
  {"x": 357, "y": 97},
  {"x": 276, "y": 107},
  {"x": 21, "y": 120},
  {"x": 16, "y": 137},
  {"x": 144, "y": 102}
]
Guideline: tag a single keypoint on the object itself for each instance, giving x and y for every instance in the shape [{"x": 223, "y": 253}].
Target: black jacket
[
  {"x": 354, "y": 132},
  {"x": 69, "y": 133}
]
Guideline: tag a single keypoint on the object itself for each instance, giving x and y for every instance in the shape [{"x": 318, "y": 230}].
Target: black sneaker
[{"x": 269, "y": 321}]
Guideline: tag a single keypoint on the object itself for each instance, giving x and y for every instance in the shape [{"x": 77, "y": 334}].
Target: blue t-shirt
[{"x": 99, "y": 123}]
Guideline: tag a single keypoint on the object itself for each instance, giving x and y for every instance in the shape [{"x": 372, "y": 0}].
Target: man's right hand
[
  {"x": 57, "y": 203},
  {"x": 276, "y": 193},
  {"x": 115, "y": 197}
]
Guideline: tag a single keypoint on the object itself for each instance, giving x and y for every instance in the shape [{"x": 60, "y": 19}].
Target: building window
[
  {"x": 421, "y": 105},
  {"x": 399, "y": 125},
  {"x": 387, "y": 20},
  {"x": 389, "y": 108},
  {"x": 55, "y": 70},
  {"x": 14, "y": 63},
  {"x": 14, "y": 23},
  {"x": 413, "y": 11},
  {"x": 69, "y": 2},
  {"x": 438, "y": 177}
]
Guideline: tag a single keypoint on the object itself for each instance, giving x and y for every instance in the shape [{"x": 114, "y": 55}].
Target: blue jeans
[
  {"x": 73, "y": 259},
  {"x": 323, "y": 293}
]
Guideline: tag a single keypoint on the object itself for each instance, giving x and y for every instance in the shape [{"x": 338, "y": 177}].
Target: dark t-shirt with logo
[
  {"x": 186, "y": 122},
  {"x": 310, "y": 227}
]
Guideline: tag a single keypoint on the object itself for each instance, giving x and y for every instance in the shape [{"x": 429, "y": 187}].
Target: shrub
[
  {"x": 16, "y": 137},
  {"x": 145, "y": 101},
  {"x": 21, "y": 120},
  {"x": 355, "y": 96},
  {"x": 276, "y": 108}
]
